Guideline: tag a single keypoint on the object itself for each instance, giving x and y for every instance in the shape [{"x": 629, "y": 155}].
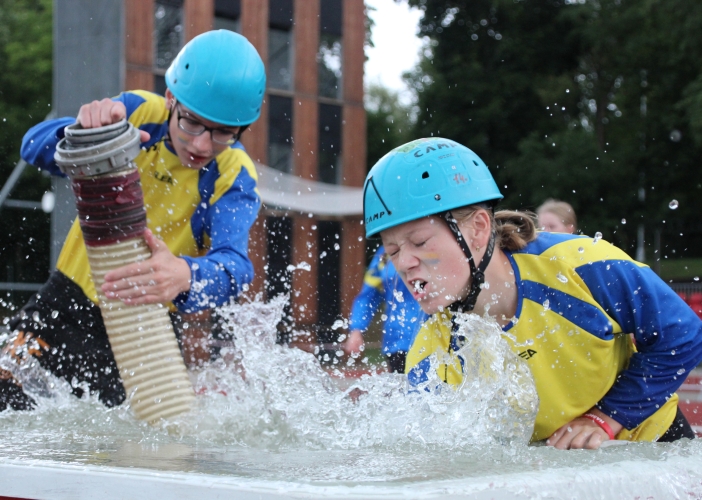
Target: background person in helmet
[
  {"x": 200, "y": 197},
  {"x": 571, "y": 299}
]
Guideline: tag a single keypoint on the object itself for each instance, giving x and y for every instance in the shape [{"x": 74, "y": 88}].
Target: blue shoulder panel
[
  {"x": 547, "y": 240},
  {"x": 586, "y": 316}
]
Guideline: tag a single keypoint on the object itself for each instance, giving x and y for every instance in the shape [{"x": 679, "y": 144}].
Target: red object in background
[
  {"x": 695, "y": 302},
  {"x": 690, "y": 403}
]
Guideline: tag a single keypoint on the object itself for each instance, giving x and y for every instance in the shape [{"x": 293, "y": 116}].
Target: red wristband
[{"x": 601, "y": 422}]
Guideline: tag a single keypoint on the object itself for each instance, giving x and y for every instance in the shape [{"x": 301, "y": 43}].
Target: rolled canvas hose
[{"x": 111, "y": 213}]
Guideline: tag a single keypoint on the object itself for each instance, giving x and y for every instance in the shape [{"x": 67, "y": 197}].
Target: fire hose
[{"x": 112, "y": 218}]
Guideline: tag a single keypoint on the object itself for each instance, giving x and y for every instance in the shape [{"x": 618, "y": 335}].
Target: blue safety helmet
[
  {"x": 424, "y": 177},
  {"x": 219, "y": 76}
]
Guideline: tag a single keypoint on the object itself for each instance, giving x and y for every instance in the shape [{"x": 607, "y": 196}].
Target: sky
[{"x": 396, "y": 44}]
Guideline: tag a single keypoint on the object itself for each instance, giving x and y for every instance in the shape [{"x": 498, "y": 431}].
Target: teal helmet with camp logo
[{"x": 424, "y": 177}]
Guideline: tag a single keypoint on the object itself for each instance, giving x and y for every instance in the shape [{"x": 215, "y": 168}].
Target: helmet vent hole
[
  {"x": 187, "y": 66},
  {"x": 425, "y": 175},
  {"x": 437, "y": 197},
  {"x": 476, "y": 163}
]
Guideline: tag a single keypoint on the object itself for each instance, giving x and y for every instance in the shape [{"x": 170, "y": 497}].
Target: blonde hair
[
  {"x": 513, "y": 229},
  {"x": 560, "y": 209}
]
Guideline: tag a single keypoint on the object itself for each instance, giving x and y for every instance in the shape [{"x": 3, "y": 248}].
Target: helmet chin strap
[{"x": 477, "y": 273}]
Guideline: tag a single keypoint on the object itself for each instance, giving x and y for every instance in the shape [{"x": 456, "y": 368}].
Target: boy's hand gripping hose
[{"x": 112, "y": 217}]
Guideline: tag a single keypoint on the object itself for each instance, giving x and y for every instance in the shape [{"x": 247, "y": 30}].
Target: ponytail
[{"x": 514, "y": 229}]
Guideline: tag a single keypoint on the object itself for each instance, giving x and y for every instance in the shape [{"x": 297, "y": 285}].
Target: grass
[{"x": 678, "y": 269}]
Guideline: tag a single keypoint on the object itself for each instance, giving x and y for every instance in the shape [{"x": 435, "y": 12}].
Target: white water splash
[{"x": 267, "y": 396}]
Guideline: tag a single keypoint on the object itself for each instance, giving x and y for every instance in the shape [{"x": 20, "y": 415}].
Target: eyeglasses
[{"x": 221, "y": 136}]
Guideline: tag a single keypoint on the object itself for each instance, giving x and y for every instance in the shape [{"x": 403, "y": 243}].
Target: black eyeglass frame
[{"x": 205, "y": 128}]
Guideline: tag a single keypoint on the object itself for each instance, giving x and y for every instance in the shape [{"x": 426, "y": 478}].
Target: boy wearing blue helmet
[
  {"x": 200, "y": 197},
  {"x": 567, "y": 302}
]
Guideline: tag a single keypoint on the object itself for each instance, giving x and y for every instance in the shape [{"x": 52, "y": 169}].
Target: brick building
[{"x": 312, "y": 125}]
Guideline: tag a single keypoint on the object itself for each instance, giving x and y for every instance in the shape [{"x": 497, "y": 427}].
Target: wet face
[
  {"x": 550, "y": 222},
  {"x": 195, "y": 151},
  {"x": 430, "y": 262}
]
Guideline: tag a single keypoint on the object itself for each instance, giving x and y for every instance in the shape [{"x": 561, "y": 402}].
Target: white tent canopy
[{"x": 289, "y": 192}]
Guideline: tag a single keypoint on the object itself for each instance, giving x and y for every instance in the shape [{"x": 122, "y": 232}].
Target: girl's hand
[{"x": 582, "y": 433}]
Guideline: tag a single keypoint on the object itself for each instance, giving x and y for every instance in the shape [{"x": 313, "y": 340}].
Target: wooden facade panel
[
  {"x": 353, "y": 254},
  {"x": 255, "y": 139},
  {"x": 197, "y": 17},
  {"x": 258, "y": 253},
  {"x": 354, "y": 141},
  {"x": 354, "y": 17},
  {"x": 305, "y": 137},
  {"x": 353, "y": 263},
  {"x": 304, "y": 283},
  {"x": 137, "y": 79},
  {"x": 139, "y": 26},
  {"x": 306, "y": 44},
  {"x": 254, "y": 26}
]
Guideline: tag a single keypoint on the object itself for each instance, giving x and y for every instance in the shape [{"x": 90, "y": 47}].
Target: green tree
[
  {"x": 592, "y": 101},
  {"x": 25, "y": 99},
  {"x": 389, "y": 122}
]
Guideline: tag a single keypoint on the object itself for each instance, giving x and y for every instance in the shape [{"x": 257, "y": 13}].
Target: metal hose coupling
[{"x": 112, "y": 218}]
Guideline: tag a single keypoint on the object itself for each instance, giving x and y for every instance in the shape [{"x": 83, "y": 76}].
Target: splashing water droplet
[
  {"x": 673, "y": 204},
  {"x": 304, "y": 266},
  {"x": 623, "y": 221},
  {"x": 598, "y": 237},
  {"x": 547, "y": 305},
  {"x": 54, "y": 314},
  {"x": 561, "y": 278},
  {"x": 340, "y": 323},
  {"x": 581, "y": 249}
]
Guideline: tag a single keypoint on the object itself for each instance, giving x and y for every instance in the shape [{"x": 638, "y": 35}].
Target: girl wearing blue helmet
[
  {"x": 573, "y": 300},
  {"x": 200, "y": 197}
]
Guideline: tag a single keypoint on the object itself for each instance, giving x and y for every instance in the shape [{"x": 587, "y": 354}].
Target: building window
[
  {"x": 280, "y": 58},
  {"x": 278, "y": 275},
  {"x": 329, "y": 60},
  {"x": 330, "y": 143},
  {"x": 280, "y": 133},
  {"x": 227, "y": 15},
  {"x": 328, "y": 278},
  {"x": 168, "y": 38}
]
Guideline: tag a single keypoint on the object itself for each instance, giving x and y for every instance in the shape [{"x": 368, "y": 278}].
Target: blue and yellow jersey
[
  {"x": 578, "y": 301},
  {"x": 382, "y": 284},
  {"x": 204, "y": 216}
]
